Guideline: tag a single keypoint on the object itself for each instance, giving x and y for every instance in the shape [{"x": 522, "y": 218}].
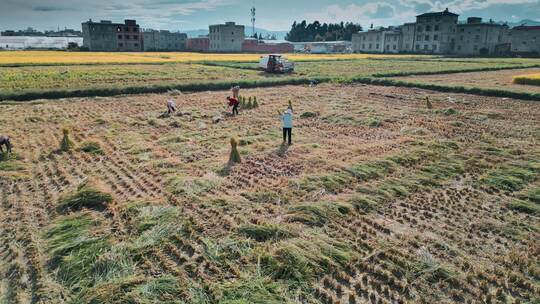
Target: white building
[
  {"x": 525, "y": 39},
  {"x": 381, "y": 40},
  {"x": 480, "y": 38},
  {"x": 323, "y": 47},
  {"x": 226, "y": 37},
  {"x": 27, "y": 42}
]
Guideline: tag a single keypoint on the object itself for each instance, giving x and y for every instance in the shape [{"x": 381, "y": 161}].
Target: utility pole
[{"x": 253, "y": 21}]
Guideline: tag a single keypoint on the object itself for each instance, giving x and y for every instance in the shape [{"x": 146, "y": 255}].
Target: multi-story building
[
  {"x": 226, "y": 37},
  {"x": 381, "y": 40},
  {"x": 525, "y": 40},
  {"x": 164, "y": 41},
  {"x": 198, "y": 44},
  {"x": 408, "y": 33},
  {"x": 480, "y": 38},
  {"x": 435, "y": 32},
  {"x": 108, "y": 36}
]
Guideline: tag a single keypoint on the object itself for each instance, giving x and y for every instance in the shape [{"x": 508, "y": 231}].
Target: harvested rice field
[
  {"x": 499, "y": 80},
  {"x": 387, "y": 195}
]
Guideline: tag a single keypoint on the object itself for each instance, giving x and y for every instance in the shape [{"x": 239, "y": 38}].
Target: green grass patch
[
  {"x": 303, "y": 260},
  {"x": 252, "y": 290},
  {"x": 318, "y": 213},
  {"x": 524, "y": 206},
  {"x": 264, "y": 232},
  {"x": 92, "y": 147},
  {"x": 87, "y": 195},
  {"x": 80, "y": 255},
  {"x": 511, "y": 177}
]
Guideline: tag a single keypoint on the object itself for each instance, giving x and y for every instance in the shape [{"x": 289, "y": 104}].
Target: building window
[
  {"x": 364, "y": 38},
  {"x": 394, "y": 47},
  {"x": 370, "y": 46},
  {"x": 459, "y": 47},
  {"x": 127, "y": 37},
  {"x": 461, "y": 37},
  {"x": 407, "y": 46},
  {"x": 136, "y": 45},
  {"x": 426, "y": 38},
  {"x": 388, "y": 46},
  {"x": 435, "y": 37},
  {"x": 363, "y": 46},
  {"x": 120, "y": 45},
  {"x": 377, "y": 46},
  {"x": 436, "y": 28},
  {"x": 425, "y": 47},
  {"x": 417, "y": 47},
  {"x": 462, "y": 30},
  {"x": 419, "y": 29},
  {"x": 428, "y": 28},
  {"x": 476, "y": 47},
  {"x": 434, "y": 47},
  {"x": 477, "y": 37},
  {"x": 119, "y": 36}
]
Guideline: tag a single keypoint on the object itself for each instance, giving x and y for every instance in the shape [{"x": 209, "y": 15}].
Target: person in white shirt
[{"x": 171, "y": 106}]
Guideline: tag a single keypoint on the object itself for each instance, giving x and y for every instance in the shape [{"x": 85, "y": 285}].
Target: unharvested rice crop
[
  {"x": 531, "y": 79},
  {"x": 59, "y": 57}
]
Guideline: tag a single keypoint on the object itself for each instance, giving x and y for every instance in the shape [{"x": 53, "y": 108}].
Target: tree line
[{"x": 303, "y": 32}]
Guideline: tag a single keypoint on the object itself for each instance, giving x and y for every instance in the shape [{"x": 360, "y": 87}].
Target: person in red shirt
[{"x": 233, "y": 102}]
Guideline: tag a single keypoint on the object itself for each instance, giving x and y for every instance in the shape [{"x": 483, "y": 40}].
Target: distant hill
[
  {"x": 528, "y": 22},
  {"x": 280, "y": 35}
]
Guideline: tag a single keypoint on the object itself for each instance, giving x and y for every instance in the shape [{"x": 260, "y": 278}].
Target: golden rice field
[
  {"x": 531, "y": 79},
  {"x": 60, "y": 57}
]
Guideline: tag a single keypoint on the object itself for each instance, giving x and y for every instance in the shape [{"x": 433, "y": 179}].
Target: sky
[{"x": 271, "y": 14}]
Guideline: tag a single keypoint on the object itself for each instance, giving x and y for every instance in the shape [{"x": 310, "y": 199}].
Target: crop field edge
[{"x": 223, "y": 85}]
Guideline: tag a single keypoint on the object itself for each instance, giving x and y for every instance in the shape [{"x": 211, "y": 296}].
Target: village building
[
  {"x": 381, "y": 40},
  {"x": 253, "y": 45},
  {"x": 164, "y": 41},
  {"x": 480, "y": 38},
  {"x": 525, "y": 40},
  {"x": 435, "y": 32},
  {"x": 198, "y": 44},
  {"x": 109, "y": 37},
  {"x": 226, "y": 37}
]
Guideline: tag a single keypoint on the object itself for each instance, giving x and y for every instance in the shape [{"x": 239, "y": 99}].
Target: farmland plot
[{"x": 380, "y": 199}]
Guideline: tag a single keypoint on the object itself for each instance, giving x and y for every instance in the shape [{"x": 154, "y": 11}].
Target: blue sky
[{"x": 271, "y": 14}]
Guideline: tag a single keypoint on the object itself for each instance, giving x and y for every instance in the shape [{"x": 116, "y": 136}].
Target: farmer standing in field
[
  {"x": 286, "y": 119},
  {"x": 234, "y": 103},
  {"x": 171, "y": 106},
  {"x": 236, "y": 91}
]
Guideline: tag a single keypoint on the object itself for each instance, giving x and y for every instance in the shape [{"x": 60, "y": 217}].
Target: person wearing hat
[{"x": 286, "y": 119}]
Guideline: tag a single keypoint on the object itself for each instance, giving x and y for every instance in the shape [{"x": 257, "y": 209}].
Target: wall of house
[
  {"x": 226, "y": 37},
  {"x": 479, "y": 39},
  {"x": 108, "y": 36},
  {"x": 435, "y": 34},
  {"x": 525, "y": 39},
  {"x": 198, "y": 44},
  {"x": 164, "y": 41},
  {"x": 254, "y": 46}
]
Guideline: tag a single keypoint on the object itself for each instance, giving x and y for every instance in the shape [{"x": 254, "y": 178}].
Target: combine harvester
[{"x": 275, "y": 63}]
